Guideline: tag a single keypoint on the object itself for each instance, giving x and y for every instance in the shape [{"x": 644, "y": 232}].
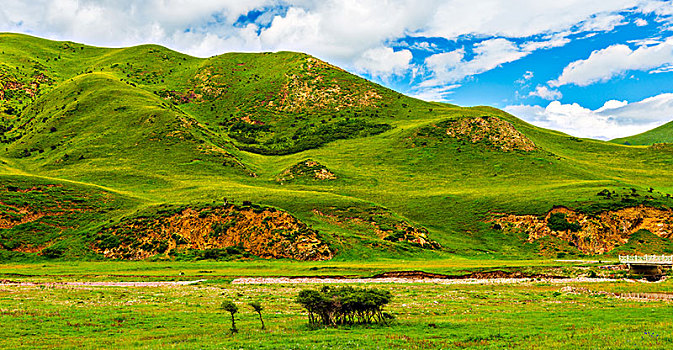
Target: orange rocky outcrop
[
  {"x": 492, "y": 131},
  {"x": 264, "y": 232},
  {"x": 599, "y": 233}
]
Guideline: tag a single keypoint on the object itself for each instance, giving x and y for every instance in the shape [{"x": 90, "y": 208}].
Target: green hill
[
  {"x": 661, "y": 134},
  {"x": 144, "y": 152}
]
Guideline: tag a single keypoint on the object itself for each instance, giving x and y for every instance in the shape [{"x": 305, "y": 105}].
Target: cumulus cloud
[
  {"x": 451, "y": 67},
  {"x": 179, "y": 24},
  {"x": 383, "y": 62},
  {"x": 521, "y": 18},
  {"x": 355, "y": 34},
  {"x": 640, "y": 22},
  {"x": 614, "y": 119},
  {"x": 661, "y": 8},
  {"x": 603, "y": 22},
  {"x": 337, "y": 30},
  {"x": 615, "y": 60},
  {"x": 546, "y": 93}
]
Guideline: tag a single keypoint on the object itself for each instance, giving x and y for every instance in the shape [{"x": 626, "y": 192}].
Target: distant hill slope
[
  {"x": 661, "y": 134},
  {"x": 144, "y": 152},
  {"x": 270, "y": 103}
]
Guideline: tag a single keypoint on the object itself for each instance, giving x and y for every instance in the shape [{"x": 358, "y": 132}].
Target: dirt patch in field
[
  {"x": 477, "y": 281},
  {"x": 473, "y": 275},
  {"x": 626, "y": 295},
  {"x": 101, "y": 284}
]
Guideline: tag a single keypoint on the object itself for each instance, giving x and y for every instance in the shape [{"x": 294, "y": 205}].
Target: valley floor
[{"x": 158, "y": 305}]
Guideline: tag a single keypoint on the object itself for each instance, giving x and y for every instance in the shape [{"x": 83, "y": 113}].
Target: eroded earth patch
[
  {"x": 214, "y": 231},
  {"x": 590, "y": 233},
  {"x": 308, "y": 169},
  {"x": 379, "y": 222}
]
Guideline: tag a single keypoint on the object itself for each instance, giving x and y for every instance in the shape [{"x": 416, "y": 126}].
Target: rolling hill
[
  {"x": 661, "y": 134},
  {"x": 146, "y": 153}
]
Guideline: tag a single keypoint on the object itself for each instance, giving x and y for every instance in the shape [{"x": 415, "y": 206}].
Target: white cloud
[
  {"x": 640, "y": 22},
  {"x": 450, "y": 67},
  {"x": 525, "y": 78},
  {"x": 520, "y": 18},
  {"x": 660, "y": 8},
  {"x": 663, "y": 69},
  {"x": 420, "y": 46},
  {"x": 603, "y": 22},
  {"x": 350, "y": 33},
  {"x": 646, "y": 41},
  {"x": 384, "y": 62},
  {"x": 614, "y": 119},
  {"x": 179, "y": 24},
  {"x": 615, "y": 60},
  {"x": 340, "y": 30},
  {"x": 555, "y": 41},
  {"x": 546, "y": 93},
  {"x": 437, "y": 94},
  {"x": 612, "y": 104}
]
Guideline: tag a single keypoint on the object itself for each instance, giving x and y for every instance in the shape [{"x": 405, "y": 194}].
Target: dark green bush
[
  {"x": 344, "y": 305},
  {"x": 558, "y": 222},
  {"x": 230, "y": 307},
  {"x": 52, "y": 252}
]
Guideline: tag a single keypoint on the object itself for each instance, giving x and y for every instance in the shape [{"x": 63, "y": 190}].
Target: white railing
[{"x": 646, "y": 259}]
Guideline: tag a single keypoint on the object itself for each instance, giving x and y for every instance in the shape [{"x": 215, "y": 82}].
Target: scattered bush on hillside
[
  {"x": 344, "y": 305},
  {"x": 558, "y": 222},
  {"x": 379, "y": 222},
  {"x": 306, "y": 138},
  {"x": 52, "y": 252}
]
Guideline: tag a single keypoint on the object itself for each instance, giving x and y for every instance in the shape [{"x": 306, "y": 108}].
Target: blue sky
[{"x": 592, "y": 69}]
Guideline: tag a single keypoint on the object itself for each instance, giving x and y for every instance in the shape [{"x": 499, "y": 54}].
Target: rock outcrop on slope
[
  {"x": 263, "y": 232},
  {"x": 591, "y": 234}
]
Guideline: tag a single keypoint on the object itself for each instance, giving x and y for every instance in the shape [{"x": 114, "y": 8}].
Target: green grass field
[{"x": 531, "y": 316}]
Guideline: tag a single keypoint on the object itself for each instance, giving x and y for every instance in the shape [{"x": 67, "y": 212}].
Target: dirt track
[
  {"x": 311, "y": 280},
  {"x": 100, "y": 284}
]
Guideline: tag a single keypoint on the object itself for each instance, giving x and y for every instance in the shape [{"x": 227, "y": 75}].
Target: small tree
[
  {"x": 229, "y": 306},
  {"x": 258, "y": 309},
  {"x": 344, "y": 305}
]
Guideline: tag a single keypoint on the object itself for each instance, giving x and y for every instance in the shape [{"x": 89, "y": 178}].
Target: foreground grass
[{"x": 534, "y": 316}]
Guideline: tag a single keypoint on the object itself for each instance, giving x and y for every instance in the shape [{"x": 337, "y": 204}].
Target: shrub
[
  {"x": 344, "y": 305},
  {"x": 230, "y": 307},
  {"x": 558, "y": 222},
  {"x": 258, "y": 309},
  {"x": 52, "y": 252}
]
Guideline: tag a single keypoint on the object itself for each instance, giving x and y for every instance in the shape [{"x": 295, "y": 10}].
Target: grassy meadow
[{"x": 530, "y": 316}]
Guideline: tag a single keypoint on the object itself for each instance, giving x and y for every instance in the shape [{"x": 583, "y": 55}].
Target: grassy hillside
[
  {"x": 661, "y": 134},
  {"x": 281, "y": 141}
]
